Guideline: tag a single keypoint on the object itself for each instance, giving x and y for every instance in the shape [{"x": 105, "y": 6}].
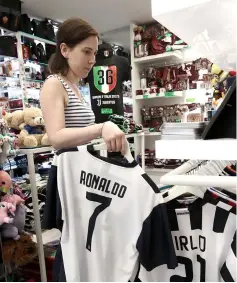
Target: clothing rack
[
  {"x": 178, "y": 177},
  {"x": 220, "y": 149}
]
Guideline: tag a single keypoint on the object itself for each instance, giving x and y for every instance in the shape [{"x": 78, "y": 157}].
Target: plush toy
[
  {"x": 5, "y": 209},
  {"x": 32, "y": 130},
  {"x": 218, "y": 83},
  {"x": 14, "y": 120},
  {"x": 13, "y": 229},
  {"x": 5, "y": 182},
  {"x": 13, "y": 199}
]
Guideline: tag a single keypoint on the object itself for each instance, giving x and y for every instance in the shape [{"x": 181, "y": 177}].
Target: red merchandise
[
  {"x": 157, "y": 46},
  {"x": 25, "y": 52}
]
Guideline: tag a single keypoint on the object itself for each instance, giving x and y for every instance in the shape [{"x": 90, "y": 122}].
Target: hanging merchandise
[
  {"x": 203, "y": 233},
  {"x": 106, "y": 83},
  {"x": 203, "y": 226},
  {"x": 115, "y": 210}
]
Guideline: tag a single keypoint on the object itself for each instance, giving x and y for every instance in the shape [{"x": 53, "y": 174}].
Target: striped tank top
[{"x": 77, "y": 113}]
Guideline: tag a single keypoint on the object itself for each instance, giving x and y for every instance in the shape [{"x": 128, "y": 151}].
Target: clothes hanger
[
  {"x": 103, "y": 146},
  {"x": 177, "y": 191},
  {"x": 211, "y": 168}
]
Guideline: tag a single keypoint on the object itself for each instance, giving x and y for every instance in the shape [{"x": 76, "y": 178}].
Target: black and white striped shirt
[
  {"x": 204, "y": 238},
  {"x": 78, "y": 114}
]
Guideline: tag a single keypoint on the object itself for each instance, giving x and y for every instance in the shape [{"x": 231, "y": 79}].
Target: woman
[{"x": 68, "y": 119}]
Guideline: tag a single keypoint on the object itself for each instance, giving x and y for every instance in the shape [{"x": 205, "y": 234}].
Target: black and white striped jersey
[
  {"x": 204, "y": 237},
  {"x": 113, "y": 215}
]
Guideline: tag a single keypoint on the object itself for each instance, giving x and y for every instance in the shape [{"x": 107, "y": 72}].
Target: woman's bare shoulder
[
  {"x": 52, "y": 94},
  {"x": 53, "y": 87}
]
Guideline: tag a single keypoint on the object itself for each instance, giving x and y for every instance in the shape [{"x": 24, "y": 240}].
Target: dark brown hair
[{"x": 70, "y": 32}]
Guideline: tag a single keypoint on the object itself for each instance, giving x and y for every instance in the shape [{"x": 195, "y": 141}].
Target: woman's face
[{"x": 81, "y": 58}]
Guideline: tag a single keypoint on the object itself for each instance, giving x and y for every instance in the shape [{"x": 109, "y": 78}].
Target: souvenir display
[
  {"x": 155, "y": 39},
  {"x": 171, "y": 78},
  {"x": 153, "y": 117}
]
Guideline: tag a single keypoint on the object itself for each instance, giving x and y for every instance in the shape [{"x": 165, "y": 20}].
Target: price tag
[
  {"x": 169, "y": 94},
  {"x": 145, "y": 96},
  {"x": 190, "y": 99}
]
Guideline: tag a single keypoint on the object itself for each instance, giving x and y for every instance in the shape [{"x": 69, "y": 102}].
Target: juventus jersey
[
  {"x": 112, "y": 214},
  {"x": 204, "y": 237},
  {"x": 105, "y": 80}
]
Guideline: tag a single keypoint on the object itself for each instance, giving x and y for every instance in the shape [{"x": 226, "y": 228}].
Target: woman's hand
[{"x": 113, "y": 137}]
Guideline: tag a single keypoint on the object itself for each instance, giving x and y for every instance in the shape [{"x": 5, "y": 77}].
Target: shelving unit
[
  {"x": 161, "y": 95},
  {"x": 147, "y": 99},
  {"x": 174, "y": 56},
  {"x": 22, "y": 77}
]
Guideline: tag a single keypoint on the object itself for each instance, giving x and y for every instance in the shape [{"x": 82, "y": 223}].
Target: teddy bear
[
  {"x": 14, "y": 120},
  {"x": 32, "y": 129}
]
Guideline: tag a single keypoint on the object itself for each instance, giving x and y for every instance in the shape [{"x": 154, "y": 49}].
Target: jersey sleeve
[
  {"x": 228, "y": 270},
  {"x": 155, "y": 245}
]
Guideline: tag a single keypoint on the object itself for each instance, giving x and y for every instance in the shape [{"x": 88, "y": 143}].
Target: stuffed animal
[
  {"x": 5, "y": 182},
  {"x": 32, "y": 130},
  {"x": 13, "y": 199},
  {"x": 13, "y": 229},
  {"x": 5, "y": 209},
  {"x": 218, "y": 83},
  {"x": 14, "y": 120}
]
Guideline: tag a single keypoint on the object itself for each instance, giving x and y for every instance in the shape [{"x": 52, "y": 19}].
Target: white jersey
[
  {"x": 204, "y": 237},
  {"x": 113, "y": 213}
]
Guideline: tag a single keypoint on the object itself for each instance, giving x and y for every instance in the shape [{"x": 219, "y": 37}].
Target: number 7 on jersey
[{"x": 105, "y": 202}]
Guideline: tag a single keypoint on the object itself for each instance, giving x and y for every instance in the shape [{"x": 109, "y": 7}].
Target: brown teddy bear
[
  {"x": 32, "y": 130},
  {"x": 14, "y": 120}
]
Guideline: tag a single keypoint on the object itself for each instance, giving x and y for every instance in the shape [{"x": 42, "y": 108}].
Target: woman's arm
[{"x": 52, "y": 101}]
